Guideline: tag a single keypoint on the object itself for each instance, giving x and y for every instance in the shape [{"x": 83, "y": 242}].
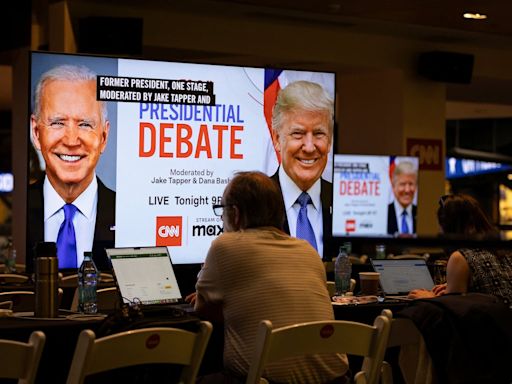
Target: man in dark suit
[
  {"x": 71, "y": 206},
  {"x": 302, "y": 124},
  {"x": 402, "y": 211},
  {"x": 103, "y": 231}
]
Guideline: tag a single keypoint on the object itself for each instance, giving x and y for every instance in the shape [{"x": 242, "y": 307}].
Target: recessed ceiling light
[{"x": 475, "y": 16}]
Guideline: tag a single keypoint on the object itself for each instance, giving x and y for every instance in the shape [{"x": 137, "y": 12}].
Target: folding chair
[
  {"x": 316, "y": 337},
  {"x": 331, "y": 287},
  {"x": 141, "y": 346},
  {"x": 107, "y": 299},
  {"x": 21, "y": 360},
  {"x": 20, "y": 268},
  {"x": 71, "y": 281},
  {"x": 13, "y": 278},
  {"x": 405, "y": 334},
  {"x": 22, "y": 301},
  {"x": 409, "y": 256}
]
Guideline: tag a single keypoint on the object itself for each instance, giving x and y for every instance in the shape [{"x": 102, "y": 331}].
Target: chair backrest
[
  {"x": 6, "y": 304},
  {"x": 70, "y": 281},
  {"x": 20, "y": 268},
  {"x": 403, "y": 333},
  {"x": 107, "y": 299},
  {"x": 141, "y": 346},
  {"x": 106, "y": 277},
  {"x": 334, "y": 336},
  {"x": 331, "y": 287},
  {"x": 13, "y": 278},
  {"x": 21, "y": 360},
  {"x": 22, "y": 301},
  {"x": 409, "y": 256}
]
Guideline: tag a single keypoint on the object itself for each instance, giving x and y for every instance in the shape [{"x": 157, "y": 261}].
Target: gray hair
[
  {"x": 66, "y": 73},
  {"x": 404, "y": 168},
  {"x": 304, "y": 95}
]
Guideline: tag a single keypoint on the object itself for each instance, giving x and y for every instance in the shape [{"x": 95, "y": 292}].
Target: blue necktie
[
  {"x": 405, "y": 226},
  {"x": 304, "y": 228},
  {"x": 66, "y": 239}
]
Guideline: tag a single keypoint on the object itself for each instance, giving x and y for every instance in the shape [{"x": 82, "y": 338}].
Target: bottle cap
[
  {"x": 88, "y": 254},
  {"x": 46, "y": 249}
]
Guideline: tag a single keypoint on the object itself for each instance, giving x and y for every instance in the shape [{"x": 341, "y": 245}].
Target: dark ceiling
[
  {"x": 433, "y": 20},
  {"x": 436, "y": 21}
]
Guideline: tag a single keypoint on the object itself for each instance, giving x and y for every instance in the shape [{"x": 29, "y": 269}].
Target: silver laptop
[
  {"x": 145, "y": 275},
  {"x": 399, "y": 277}
]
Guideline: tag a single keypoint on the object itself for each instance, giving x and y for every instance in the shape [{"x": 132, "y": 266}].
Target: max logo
[{"x": 169, "y": 230}]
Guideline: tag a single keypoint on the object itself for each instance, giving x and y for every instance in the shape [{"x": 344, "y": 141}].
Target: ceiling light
[{"x": 475, "y": 16}]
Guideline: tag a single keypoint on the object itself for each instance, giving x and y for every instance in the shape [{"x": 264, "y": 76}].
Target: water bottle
[
  {"x": 380, "y": 251},
  {"x": 87, "y": 283},
  {"x": 10, "y": 258},
  {"x": 342, "y": 272},
  {"x": 348, "y": 247}
]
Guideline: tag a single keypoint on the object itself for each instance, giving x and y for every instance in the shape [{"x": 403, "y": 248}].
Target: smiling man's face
[
  {"x": 70, "y": 134},
  {"x": 304, "y": 141}
]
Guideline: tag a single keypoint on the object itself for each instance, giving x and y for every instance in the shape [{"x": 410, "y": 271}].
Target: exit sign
[{"x": 429, "y": 151}]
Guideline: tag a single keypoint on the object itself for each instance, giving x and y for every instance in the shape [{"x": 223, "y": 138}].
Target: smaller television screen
[
  {"x": 375, "y": 196},
  {"x": 6, "y": 182}
]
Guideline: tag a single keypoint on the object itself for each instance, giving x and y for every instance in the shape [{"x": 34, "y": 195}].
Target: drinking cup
[{"x": 369, "y": 282}]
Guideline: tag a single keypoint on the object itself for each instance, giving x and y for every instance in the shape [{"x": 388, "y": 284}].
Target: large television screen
[
  {"x": 375, "y": 196},
  {"x": 174, "y": 134}
]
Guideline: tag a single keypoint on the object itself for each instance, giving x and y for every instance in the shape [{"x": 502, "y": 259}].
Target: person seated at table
[
  {"x": 255, "y": 271},
  {"x": 471, "y": 269}
]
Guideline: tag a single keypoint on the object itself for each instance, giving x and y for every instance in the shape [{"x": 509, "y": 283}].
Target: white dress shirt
[
  {"x": 290, "y": 195},
  {"x": 398, "y": 213},
  {"x": 84, "y": 220}
]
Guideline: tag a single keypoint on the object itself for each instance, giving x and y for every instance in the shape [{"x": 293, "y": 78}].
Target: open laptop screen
[
  {"x": 399, "y": 277},
  {"x": 144, "y": 275}
]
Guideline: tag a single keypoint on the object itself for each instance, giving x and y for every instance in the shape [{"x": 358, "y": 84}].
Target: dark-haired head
[
  {"x": 252, "y": 199},
  {"x": 460, "y": 215}
]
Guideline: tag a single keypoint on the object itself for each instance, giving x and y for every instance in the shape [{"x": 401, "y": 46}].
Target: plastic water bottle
[
  {"x": 87, "y": 283},
  {"x": 342, "y": 272},
  {"x": 10, "y": 257}
]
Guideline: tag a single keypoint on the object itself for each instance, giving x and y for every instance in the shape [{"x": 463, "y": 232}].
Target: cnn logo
[
  {"x": 169, "y": 230},
  {"x": 429, "y": 152},
  {"x": 350, "y": 225}
]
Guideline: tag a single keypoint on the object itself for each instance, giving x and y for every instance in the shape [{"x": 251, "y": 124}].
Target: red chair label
[
  {"x": 326, "y": 331},
  {"x": 153, "y": 341}
]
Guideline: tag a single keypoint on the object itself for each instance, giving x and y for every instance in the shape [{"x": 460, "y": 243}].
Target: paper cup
[{"x": 369, "y": 282}]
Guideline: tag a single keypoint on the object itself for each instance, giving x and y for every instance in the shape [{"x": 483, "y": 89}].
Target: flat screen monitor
[
  {"x": 177, "y": 134},
  {"x": 371, "y": 193}
]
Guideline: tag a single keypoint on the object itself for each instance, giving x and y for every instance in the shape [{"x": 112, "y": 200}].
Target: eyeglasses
[
  {"x": 442, "y": 200},
  {"x": 218, "y": 209}
]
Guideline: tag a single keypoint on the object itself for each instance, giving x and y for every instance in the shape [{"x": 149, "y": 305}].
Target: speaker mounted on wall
[
  {"x": 110, "y": 35},
  {"x": 448, "y": 67}
]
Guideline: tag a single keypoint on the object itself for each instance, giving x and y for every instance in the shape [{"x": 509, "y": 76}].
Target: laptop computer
[
  {"x": 145, "y": 276},
  {"x": 399, "y": 277}
]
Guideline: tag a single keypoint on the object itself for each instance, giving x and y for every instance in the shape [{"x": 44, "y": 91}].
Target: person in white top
[{"x": 254, "y": 271}]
